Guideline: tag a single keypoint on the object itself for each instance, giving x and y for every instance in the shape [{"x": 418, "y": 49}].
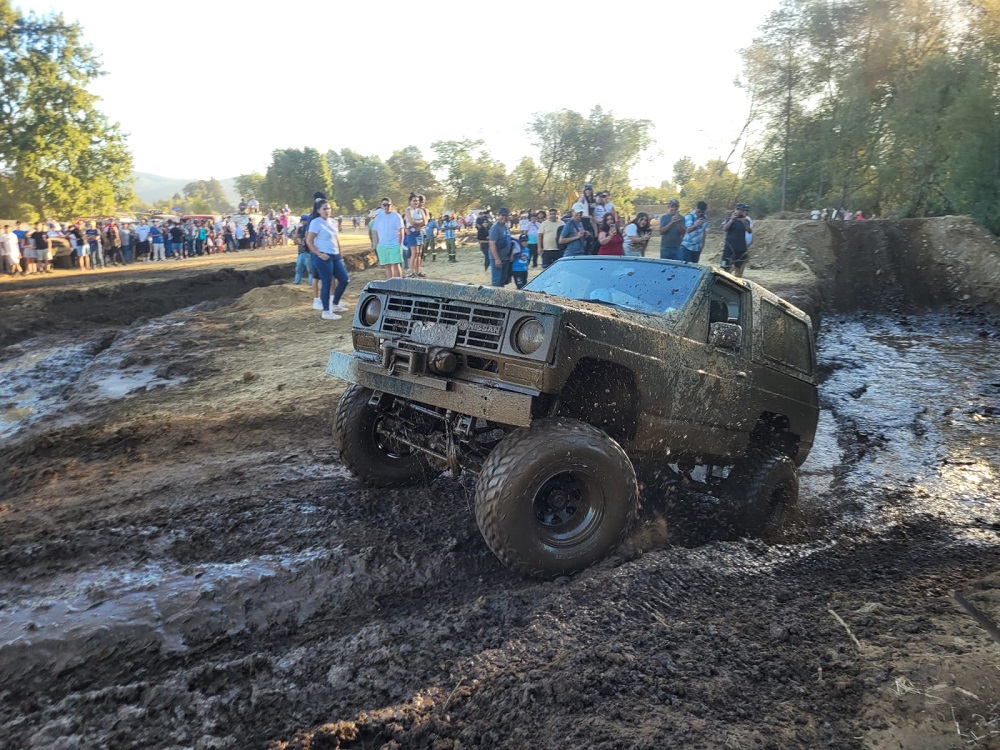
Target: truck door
[{"x": 713, "y": 388}]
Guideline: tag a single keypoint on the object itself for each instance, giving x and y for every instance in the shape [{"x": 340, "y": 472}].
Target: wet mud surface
[{"x": 185, "y": 563}]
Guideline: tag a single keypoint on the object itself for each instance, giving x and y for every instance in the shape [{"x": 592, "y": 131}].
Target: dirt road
[{"x": 184, "y": 562}]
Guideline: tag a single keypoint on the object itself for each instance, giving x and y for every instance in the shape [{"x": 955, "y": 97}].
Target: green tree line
[
  {"x": 890, "y": 106},
  {"x": 461, "y": 174},
  {"x": 59, "y": 155}
]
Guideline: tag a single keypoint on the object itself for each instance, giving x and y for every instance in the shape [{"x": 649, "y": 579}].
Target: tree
[
  {"x": 776, "y": 68},
  {"x": 882, "y": 105},
  {"x": 600, "y": 149},
  {"x": 206, "y": 197},
  {"x": 683, "y": 171},
  {"x": 471, "y": 175},
  {"x": 294, "y": 175},
  {"x": 360, "y": 181},
  {"x": 524, "y": 185},
  {"x": 556, "y": 135},
  {"x": 713, "y": 183},
  {"x": 656, "y": 196},
  {"x": 58, "y": 153},
  {"x": 413, "y": 174},
  {"x": 250, "y": 186}
]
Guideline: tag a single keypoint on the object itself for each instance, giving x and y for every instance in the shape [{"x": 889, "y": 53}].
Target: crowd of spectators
[
  {"x": 511, "y": 243},
  {"x": 92, "y": 244}
]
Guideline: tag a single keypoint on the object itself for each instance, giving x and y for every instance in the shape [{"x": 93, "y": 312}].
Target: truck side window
[
  {"x": 725, "y": 305},
  {"x": 786, "y": 339}
]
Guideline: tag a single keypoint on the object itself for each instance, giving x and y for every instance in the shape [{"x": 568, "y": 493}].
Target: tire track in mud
[
  {"x": 394, "y": 622},
  {"x": 680, "y": 648}
]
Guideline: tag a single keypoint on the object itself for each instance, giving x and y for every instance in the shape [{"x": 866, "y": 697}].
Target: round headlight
[
  {"x": 371, "y": 310},
  {"x": 529, "y": 335}
]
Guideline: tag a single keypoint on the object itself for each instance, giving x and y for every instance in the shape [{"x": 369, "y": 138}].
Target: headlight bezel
[
  {"x": 519, "y": 335},
  {"x": 365, "y": 316}
]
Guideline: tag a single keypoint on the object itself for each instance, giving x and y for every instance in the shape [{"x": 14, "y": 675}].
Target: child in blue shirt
[{"x": 519, "y": 256}]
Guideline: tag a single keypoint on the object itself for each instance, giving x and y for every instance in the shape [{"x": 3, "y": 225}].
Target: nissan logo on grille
[{"x": 465, "y": 325}]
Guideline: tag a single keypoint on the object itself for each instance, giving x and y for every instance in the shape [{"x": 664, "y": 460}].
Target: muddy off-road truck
[{"x": 554, "y": 393}]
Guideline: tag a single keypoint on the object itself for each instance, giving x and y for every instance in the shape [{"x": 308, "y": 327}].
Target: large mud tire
[
  {"x": 363, "y": 452},
  {"x": 555, "y": 497},
  {"x": 764, "y": 490}
]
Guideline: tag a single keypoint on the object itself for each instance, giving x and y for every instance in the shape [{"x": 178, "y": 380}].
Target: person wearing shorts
[
  {"x": 415, "y": 219},
  {"x": 387, "y": 235},
  {"x": 40, "y": 242}
]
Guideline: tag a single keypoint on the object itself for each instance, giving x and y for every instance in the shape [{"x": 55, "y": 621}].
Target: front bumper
[{"x": 494, "y": 404}]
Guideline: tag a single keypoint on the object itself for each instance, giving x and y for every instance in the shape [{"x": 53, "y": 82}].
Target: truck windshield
[{"x": 642, "y": 284}]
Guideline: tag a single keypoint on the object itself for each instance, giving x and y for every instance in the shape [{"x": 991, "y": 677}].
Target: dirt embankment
[
  {"x": 184, "y": 562},
  {"x": 71, "y": 301},
  {"x": 881, "y": 265}
]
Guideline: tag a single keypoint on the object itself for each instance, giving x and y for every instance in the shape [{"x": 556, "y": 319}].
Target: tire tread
[{"x": 491, "y": 499}]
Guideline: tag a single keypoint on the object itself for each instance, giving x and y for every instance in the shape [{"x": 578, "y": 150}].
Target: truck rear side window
[{"x": 785, "y": 338}]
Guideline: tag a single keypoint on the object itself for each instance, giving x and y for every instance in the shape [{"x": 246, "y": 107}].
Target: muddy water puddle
[
  {"x": 163, "y": 608},
  {"x": 53, "y": 379},
  {"x": 916, "y": 402}
]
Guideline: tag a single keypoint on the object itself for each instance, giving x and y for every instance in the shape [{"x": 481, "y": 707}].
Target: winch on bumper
[{"x": 407, "y": 377}]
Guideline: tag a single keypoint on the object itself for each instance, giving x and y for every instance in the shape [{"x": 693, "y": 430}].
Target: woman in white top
[
  {"x": 324, "y": 244},
  {"x": 414, "y": 220}
]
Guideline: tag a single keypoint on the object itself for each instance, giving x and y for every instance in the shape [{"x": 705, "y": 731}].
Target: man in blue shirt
[
  {"x": 695, "y": 224},
  {"x": 450, "y": 226},
  {"x": 157, "y": 236},
  {"x": 430, "y": 237},
  {"x": 20, "y": 233},
  {"x": 573, "y": 236},
  {"x": 500, "y": 244},
  {"x": 671, "y": 232}
]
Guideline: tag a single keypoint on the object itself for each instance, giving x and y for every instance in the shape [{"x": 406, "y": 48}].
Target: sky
[{"x": 209, "y": 88}]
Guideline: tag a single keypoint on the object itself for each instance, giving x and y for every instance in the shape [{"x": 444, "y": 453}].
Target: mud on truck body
[{"x": 554, "y": 393}]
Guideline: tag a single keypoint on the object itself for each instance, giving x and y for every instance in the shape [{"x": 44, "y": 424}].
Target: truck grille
[{"x": 478, "y": 327}]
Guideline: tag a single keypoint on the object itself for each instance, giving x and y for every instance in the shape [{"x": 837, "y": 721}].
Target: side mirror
[{"x": 725, "y": 335}]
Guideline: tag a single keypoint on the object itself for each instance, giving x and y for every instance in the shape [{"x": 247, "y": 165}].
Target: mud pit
[{"x": 184, "y": 563}]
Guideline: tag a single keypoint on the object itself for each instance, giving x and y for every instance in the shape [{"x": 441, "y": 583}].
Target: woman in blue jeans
[{"x": 324, "y": 244}]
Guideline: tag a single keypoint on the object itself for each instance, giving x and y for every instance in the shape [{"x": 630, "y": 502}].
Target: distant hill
[{"x": 154, "y": 187}]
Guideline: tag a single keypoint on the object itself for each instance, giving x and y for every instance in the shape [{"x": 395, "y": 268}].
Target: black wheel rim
[
  {"x": 384, "y": 441},
  {"x": 568, "y": 507}
]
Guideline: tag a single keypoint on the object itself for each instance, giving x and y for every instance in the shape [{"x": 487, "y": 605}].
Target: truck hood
[{"x": 509, "y": 298}]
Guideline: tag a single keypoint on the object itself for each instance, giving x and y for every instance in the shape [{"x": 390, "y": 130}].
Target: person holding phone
[
  {"x": 609, "y": 239},
  {"x": 573, "y": 236},
  {"x": 695, "y": 225},
  {"x": 734, "y": 251},
  {"x": 671, "y": 232}
]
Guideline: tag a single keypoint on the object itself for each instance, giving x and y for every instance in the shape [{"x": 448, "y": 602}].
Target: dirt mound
[
  {"x": 879, "y": 265},
  {"x": 67, "y": 309},
  {"x": 276, "y": 297}
]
